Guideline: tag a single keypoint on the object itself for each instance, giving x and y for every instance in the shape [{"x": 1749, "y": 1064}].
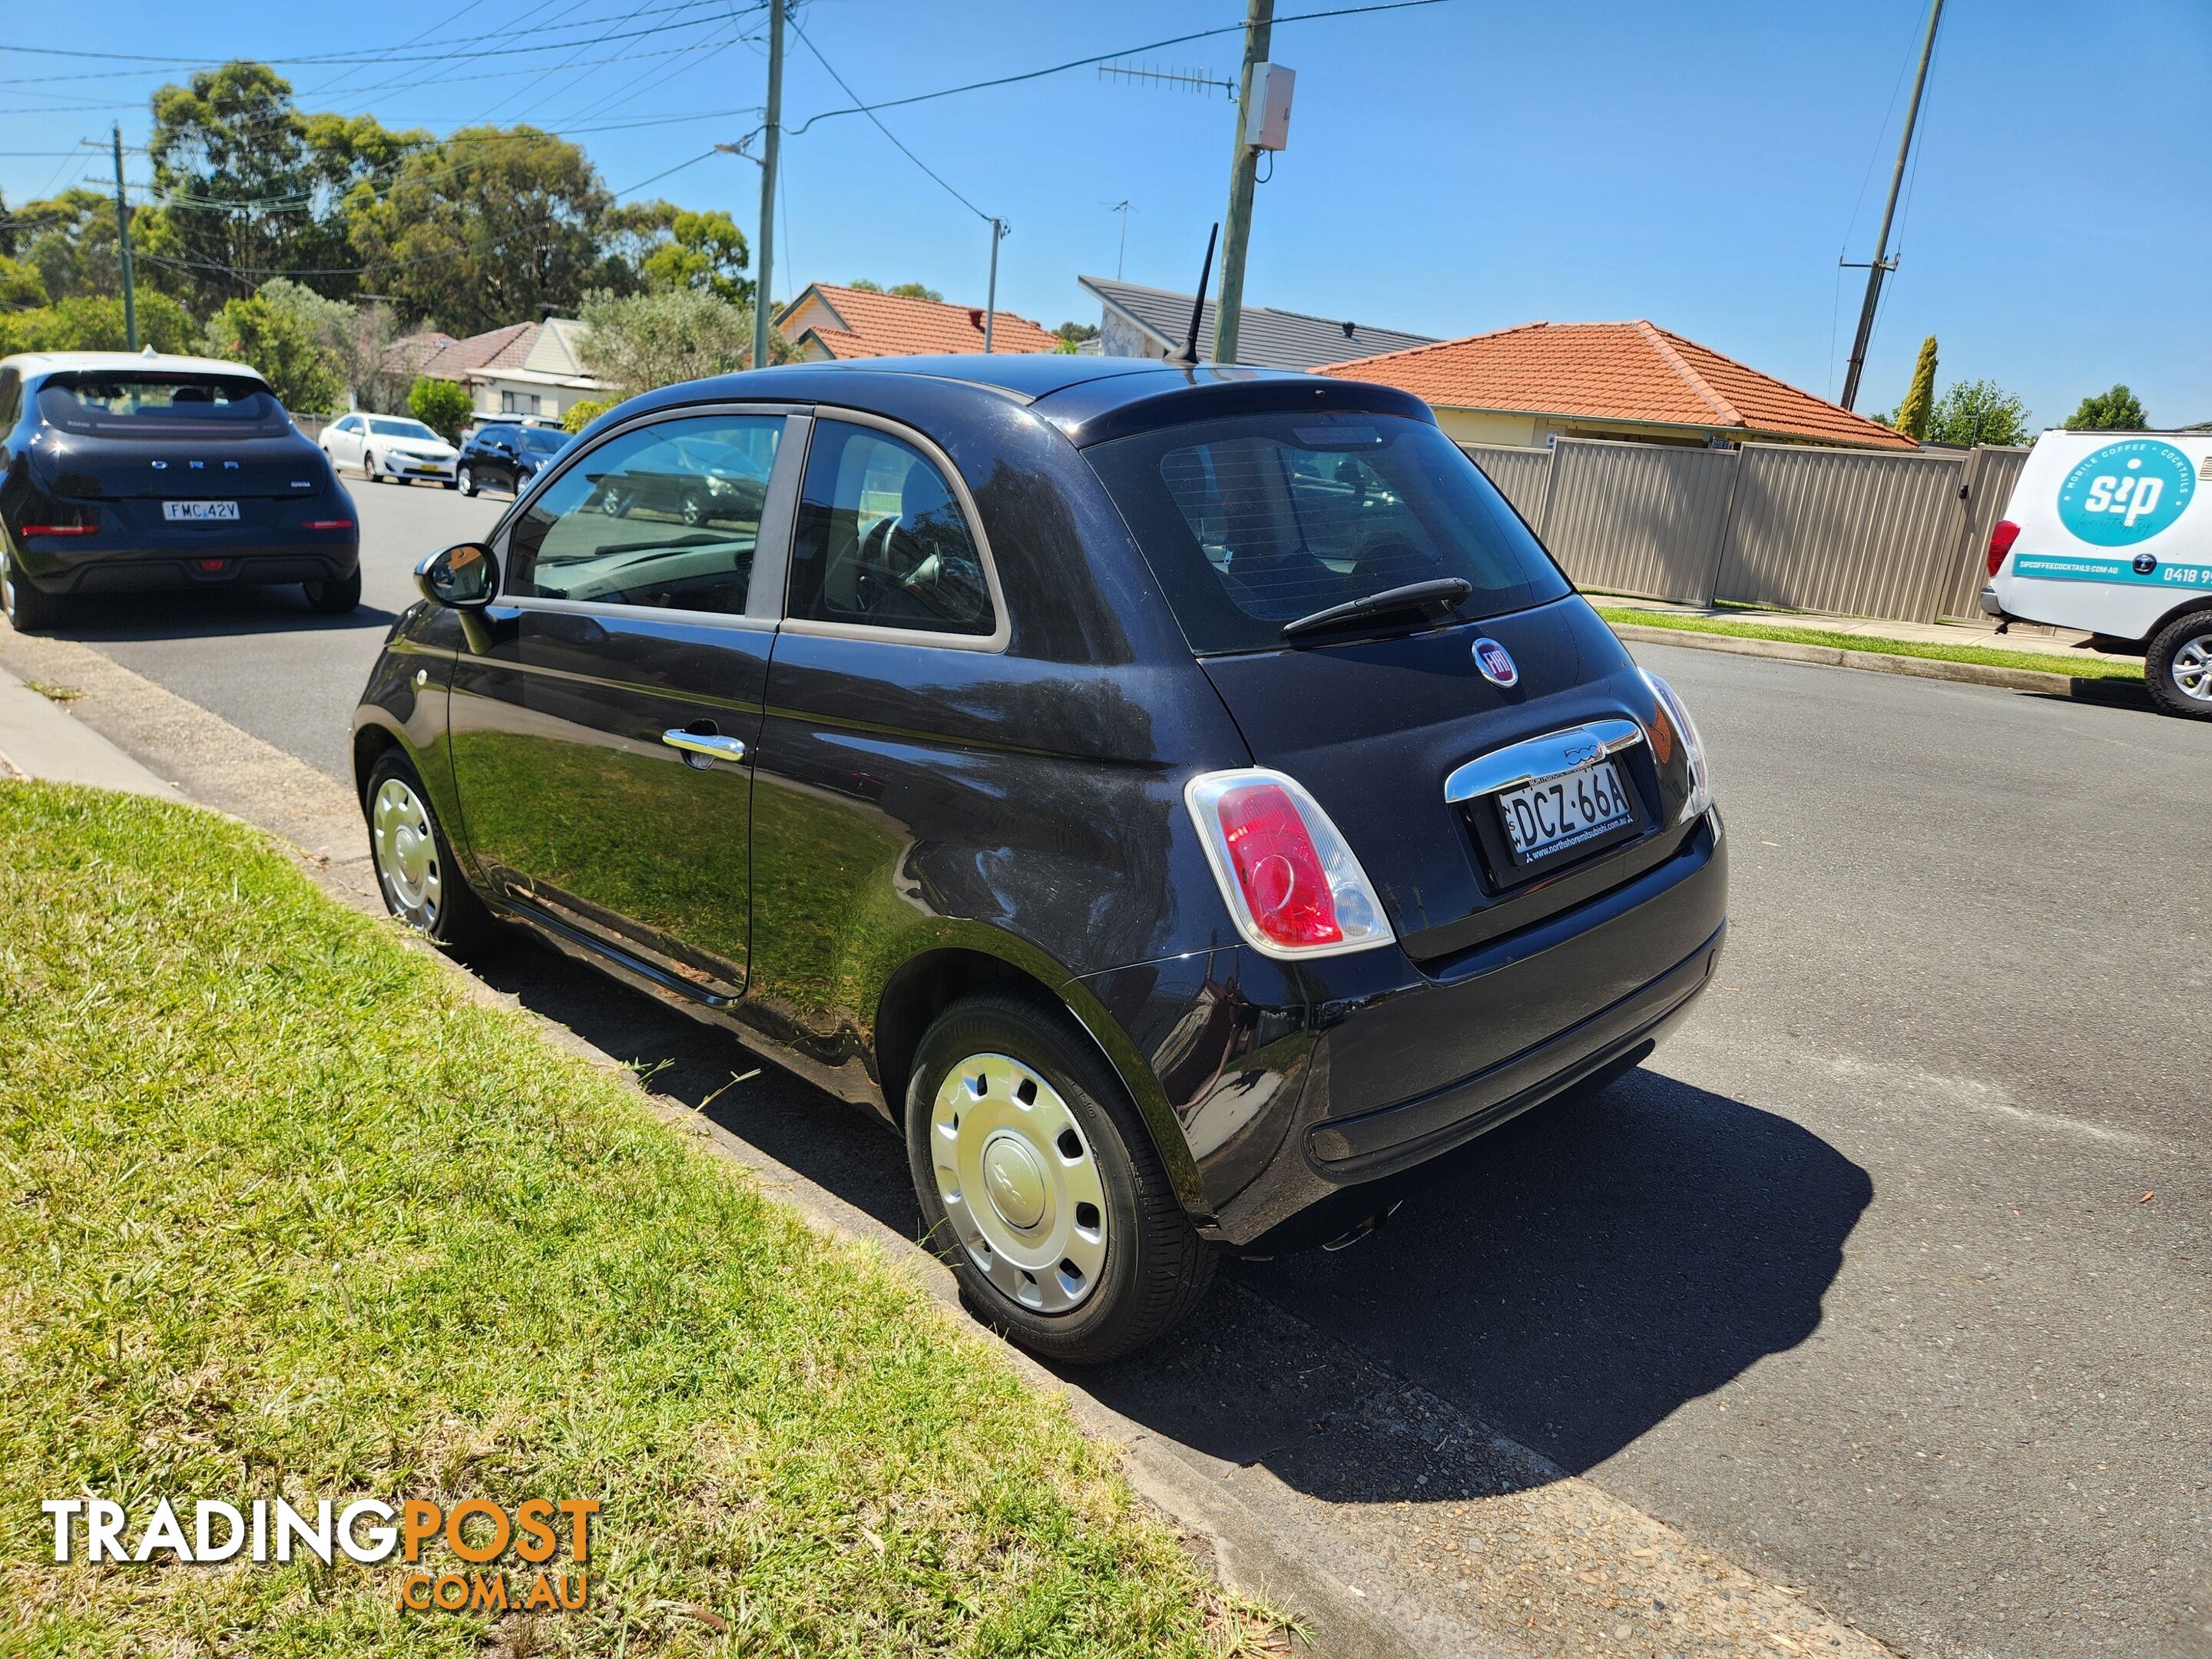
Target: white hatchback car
[{"x": 389, "y": 446}]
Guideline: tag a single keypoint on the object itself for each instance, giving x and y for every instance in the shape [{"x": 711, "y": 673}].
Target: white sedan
[{"x": 389, "y": 446}]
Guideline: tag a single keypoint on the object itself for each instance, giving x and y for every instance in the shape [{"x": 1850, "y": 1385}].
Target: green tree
[
  {"x": 263, "y": 333},
  {"x": 1919, "y": 396},
  {"x": 2117, "y": 410},
  {"x": 442, "y": 405},
  {"x": 897, "y": 290},
  {"x": 252, "y": 187},
  {"x": 1977, "y": 412},
  {"x": 69, "y": 241},
  {"x": 582, "y": 413},
  {"x": 641, "y": 341},
  {"x": 92, "y": 322},
  {"x": 21, "y": 285},
  {"x": 487, "y": 227},
  {"x": 705, "y": 251}
]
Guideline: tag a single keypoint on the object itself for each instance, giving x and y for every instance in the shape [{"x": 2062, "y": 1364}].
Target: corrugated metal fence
[{"x": 1860, "y": 533}]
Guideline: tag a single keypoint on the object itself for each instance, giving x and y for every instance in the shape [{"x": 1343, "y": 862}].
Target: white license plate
[
  {"x": 1541, "y": 818},
  {"x": 199, "y": 512}
]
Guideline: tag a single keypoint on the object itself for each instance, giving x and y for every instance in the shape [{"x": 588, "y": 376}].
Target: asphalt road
[
  {"x": 259, "y": 657},
  {"x": 1887, "y": 1278}
]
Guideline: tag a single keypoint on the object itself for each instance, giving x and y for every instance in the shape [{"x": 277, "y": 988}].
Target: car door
[
  {"x": 343, "y": 442},
  {"x": 890, "y": 651},
  {"x": 603, "y": 743},
  {"x": 499, "y": 455}
]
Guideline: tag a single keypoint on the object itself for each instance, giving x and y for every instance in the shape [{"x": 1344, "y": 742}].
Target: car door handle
[{"x": 706, "y": 750}]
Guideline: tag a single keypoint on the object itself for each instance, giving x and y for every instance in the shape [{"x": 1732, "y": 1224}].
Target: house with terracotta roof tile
[
  {"x": 829, "y": 323},
  {"x": 523, "y": 368},
  {"x": 1636, "y": 380}
]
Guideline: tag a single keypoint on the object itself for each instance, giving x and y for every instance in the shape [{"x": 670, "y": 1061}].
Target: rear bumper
[
  {"x": 159, "y": 570},
  {"x": 1305, "y": 1091},
  {"x": 1991, "y": 605}
]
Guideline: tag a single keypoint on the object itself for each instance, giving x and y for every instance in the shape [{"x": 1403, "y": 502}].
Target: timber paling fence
[{"x": 1848, "y": 532}]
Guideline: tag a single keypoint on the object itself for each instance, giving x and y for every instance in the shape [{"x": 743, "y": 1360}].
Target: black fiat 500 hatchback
[
  {"x": 124, "y": 474},
  {"x": 1178, "y": 801}
]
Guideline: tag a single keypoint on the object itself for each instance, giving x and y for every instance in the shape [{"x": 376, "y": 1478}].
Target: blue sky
[{"x": 1453, "y": 167}]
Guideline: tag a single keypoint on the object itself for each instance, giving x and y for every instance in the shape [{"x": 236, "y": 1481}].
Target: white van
[{"x": 2105, "y": 533}]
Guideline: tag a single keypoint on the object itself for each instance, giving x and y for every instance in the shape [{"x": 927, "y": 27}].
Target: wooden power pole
[
  {"x": 1881, "y": 267},
  {"x": 122, "y": 242},
  {"x": 1243, "y": 177},
  {"x": 773, "y": 135}
]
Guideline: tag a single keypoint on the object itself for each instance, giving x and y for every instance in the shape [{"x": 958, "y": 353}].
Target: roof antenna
[{"x": 1188, "y": 355}]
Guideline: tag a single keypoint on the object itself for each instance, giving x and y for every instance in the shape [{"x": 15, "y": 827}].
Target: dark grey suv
[{"x": 1179, "y": 801}]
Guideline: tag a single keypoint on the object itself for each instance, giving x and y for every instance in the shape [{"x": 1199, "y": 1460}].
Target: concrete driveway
[{"x": 1888, "y": 1278}]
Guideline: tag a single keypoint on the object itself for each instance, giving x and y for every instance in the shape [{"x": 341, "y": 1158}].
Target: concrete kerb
[{"x": 1883, "y": 662}]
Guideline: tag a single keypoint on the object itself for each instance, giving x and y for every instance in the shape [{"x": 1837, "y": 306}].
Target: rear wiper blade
[{"x": 1439, "y": 595}]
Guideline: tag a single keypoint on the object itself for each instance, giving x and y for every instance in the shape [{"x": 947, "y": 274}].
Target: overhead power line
[
  {"x": 885, "y": 130},
  {"x": 858, "y": 108}
]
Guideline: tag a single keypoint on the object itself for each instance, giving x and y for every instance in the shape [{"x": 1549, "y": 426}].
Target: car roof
[
  {"x": 1090, "y": 399},
  {"x": 28, "y": 363}
]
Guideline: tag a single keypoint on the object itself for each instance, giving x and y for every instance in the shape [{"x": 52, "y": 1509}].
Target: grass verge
[
  {"x": 2079, "y": 666},
  {"x": 283, "y": 1213}
]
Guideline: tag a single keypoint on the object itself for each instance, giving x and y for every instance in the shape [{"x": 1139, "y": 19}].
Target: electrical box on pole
[{"x": 1268, "y": 111}]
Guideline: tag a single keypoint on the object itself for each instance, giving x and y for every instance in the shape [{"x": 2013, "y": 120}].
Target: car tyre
[
  {"x": 416, "y": 871},
  {"x": 2177, "y": 668},
  {"x": 341, "y": 598},
  {"x": 1094, "y": 1256},
  {"x": 465, "y": 481},
  {"x": 30, "y": 609},
  {"x": 369, "y": 466}
]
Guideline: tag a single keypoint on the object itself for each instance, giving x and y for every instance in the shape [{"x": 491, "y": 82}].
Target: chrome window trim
[
  {"x": 1534, "y": 759},
  {"x": 778, "y": 511},
  {"x": 1002, "y": 631}
]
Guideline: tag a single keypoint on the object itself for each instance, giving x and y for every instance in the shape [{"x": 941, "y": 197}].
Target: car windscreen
[
  {"x": 149, "y": 404},
  {"x": 540, "y": 441},
  {"x": 1257, "y": 520},
  {"x": 385, "y": 427}
]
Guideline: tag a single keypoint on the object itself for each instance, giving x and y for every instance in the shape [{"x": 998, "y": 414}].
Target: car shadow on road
[
  {"x": 1569, "y": 1281},
  {"x": 199, "y": 613}
]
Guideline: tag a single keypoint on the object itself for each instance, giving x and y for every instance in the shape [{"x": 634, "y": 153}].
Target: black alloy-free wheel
[
  {"x": 1041, "y": 1187},
  {"x": 2177, "y": 668},
  {"x": 31, "y": 610},
  {"x": 415, "y": 870},
  {"x": 336, "y": 599}
]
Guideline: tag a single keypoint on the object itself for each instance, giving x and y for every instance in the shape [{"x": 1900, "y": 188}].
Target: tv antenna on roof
[{"x": 1121, "y": 259}]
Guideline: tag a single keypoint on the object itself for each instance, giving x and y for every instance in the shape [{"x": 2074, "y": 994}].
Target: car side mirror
[{"x": 465, "y": 577}]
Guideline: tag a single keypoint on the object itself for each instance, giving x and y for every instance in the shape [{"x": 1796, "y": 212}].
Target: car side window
[
  {"x": 881, "y": 541},
  {"x": 665, "y": 516}
]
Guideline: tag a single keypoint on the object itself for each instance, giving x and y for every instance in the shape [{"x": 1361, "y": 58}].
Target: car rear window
[
  {"x": 1253, "y": 522},
  {"x": 130, "y": 403}
]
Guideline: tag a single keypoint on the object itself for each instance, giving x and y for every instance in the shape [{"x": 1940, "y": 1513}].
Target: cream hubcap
[
  {"x": 1019, "y": 1184},
  {"x": 407, "y": 852}
]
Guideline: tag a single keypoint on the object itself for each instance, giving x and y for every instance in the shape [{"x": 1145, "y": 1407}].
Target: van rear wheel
[
  {"x": 1040, "y": 1186},
  {"x": 2178, "y": 666}
]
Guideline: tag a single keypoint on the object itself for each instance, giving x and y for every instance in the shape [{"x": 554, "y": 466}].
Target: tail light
[
  {"x": 327, "y": 524},
  {"x": 2002, "y": 534},
  {"x": 90, "y": 528},
  {"x": 1676, "y": 713},
  {"x": 1291, "y": 884}
]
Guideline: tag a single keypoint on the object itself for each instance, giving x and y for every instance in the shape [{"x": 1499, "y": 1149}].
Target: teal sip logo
[{"x": 2126, "y": 493}]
